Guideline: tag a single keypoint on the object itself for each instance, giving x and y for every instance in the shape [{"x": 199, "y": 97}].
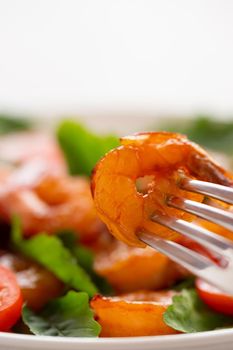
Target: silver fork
[{"x": 219, "y": 275}]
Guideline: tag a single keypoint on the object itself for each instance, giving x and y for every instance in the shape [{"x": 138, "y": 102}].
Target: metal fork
[{"x": 219, "y": 275}]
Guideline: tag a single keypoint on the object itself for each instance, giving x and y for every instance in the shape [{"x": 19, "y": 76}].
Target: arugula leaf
[
  {"x": 68, "y": 316},
  {"x": 189, "y": 314},
  {"x": 85, "y": 258},
  {"x": 9, "y": 124},
  {"x": 52, "y": 254},
  {"x": 210, "y": 133},
  {"x": 81, "y": 147}
]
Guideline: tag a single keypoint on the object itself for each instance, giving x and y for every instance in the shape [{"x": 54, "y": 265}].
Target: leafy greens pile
[{"x": 69, "y": 315}]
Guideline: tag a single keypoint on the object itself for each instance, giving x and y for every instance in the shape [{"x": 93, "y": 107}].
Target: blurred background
[{"x": 126, "y": 57}]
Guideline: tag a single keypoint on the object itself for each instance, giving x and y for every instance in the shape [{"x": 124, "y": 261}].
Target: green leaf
[
  {"x": 189, "y": 314},
  {"x": 81, "y": 147},
  {"x": 52, "y": 254},
  {"x": 69, "y": 316},
  {"x": 210, "y": 133},
  {"x": 10, "y": 124},
  {"x": 85, "y": 258}
]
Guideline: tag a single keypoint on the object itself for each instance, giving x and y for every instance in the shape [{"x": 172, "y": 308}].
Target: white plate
[
  {"x": 202, "y": 341},
  {"x": 213, "y": 340}
]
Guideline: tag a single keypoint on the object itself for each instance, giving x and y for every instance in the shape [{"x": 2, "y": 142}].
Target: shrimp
[
  {"x": 49, "y": 203},
  {"x": 133, "y": 315},
  {"x": 128, "y": 269},
  {"x": 131, "y": 183},
  {"x": 37, "y": 284},
  {"x": 34, "y": 184}
]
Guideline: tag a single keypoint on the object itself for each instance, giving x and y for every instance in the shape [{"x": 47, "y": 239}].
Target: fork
[{"x": 219, "y": 275}]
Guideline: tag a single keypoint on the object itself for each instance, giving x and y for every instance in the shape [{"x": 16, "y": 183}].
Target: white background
[{"x": 105, "y": 56}]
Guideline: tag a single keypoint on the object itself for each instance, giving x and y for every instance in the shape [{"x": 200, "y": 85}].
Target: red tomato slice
[
  {"x": 214, "y": 298},
  {"x": 10, "y": 299}
]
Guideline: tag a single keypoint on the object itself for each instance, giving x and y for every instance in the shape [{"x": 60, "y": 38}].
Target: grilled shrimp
[
  {"x": 133, "y": 315},
  {"x": 130, "y": 184},
  {"x": 49, "y": 203},
  {"x": 128, "y": 269},
  {"x": 35, "y": 185}
]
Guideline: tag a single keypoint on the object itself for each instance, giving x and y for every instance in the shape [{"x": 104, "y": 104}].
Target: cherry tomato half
[
  {"x": 10, "y": 299},
  {"x": 215, "y": 298}
]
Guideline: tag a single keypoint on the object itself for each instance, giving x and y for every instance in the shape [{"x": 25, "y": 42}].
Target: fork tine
[
  {"x": 194, "y": 262},
  {"x": 210, "y": 240},
  {"x": 216, "y": 215},
  {"x": 220, "y": 192},
  {"x": 191, "y": 260}
]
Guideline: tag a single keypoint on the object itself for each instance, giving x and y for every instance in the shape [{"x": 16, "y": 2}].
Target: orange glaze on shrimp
[
  {"x": 131, "y": 268},
  {"x": 53, "y": 203},
  {"x": 133, "y": 315},
  {"x": 131, "y": 183},
  {"x": 48, "y": 201},
  {"x": 35, "y": 185}
]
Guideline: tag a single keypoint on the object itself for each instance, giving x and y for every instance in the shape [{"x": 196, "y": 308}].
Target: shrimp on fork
[{"x": 130, "y": 184}]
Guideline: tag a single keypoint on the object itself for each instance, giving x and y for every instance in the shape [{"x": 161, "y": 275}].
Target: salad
[{"x": 62, "y": 273}]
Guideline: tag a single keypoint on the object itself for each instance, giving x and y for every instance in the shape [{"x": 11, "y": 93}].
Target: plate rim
[{"x": 216, "y": 336}]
